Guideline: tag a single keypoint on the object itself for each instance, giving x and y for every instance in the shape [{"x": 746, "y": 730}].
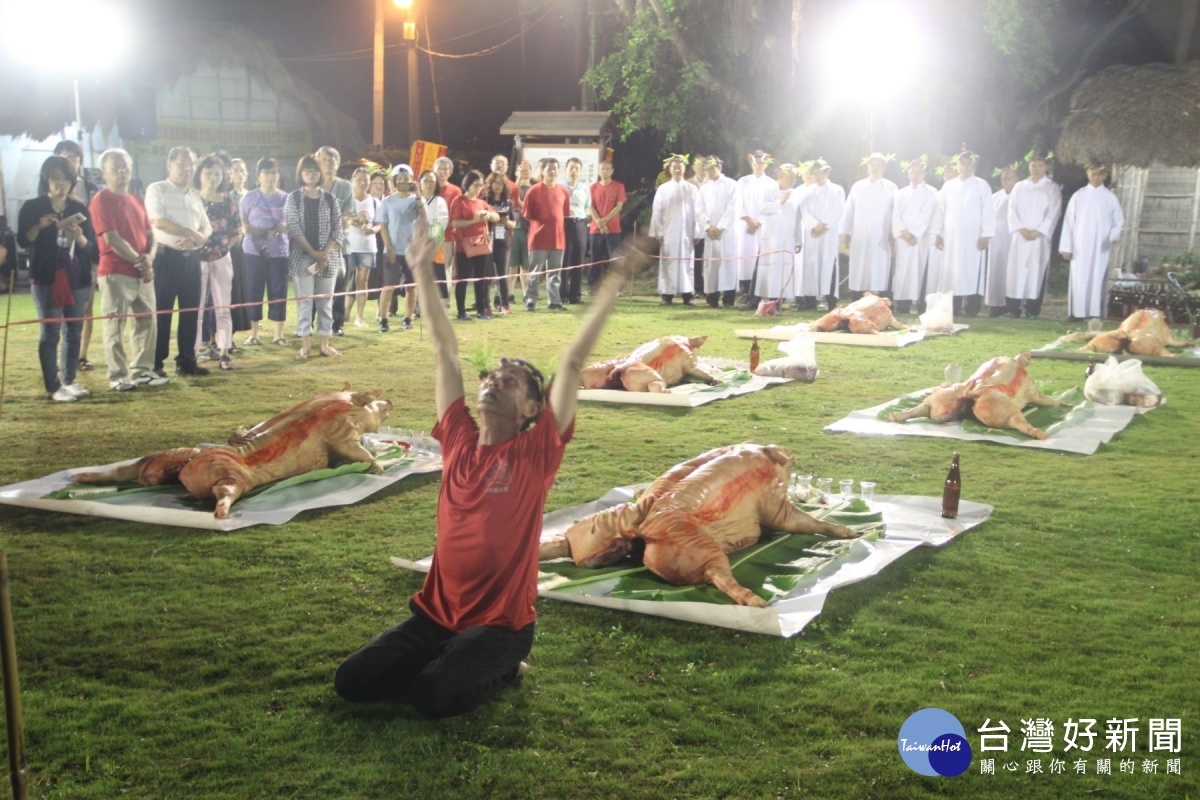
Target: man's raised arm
[
  {"x": 449, "y": 385},
  {"x": 564, "y": 392}
]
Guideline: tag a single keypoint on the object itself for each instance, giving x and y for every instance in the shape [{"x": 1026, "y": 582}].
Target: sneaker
[
  {"x": 557, "y": 307},
  {"x": 76, "y": 389},
  {"x": 406, "y": 324},
  {"x": 122, "y": 385},
  {"x": 61, "y": 395},
  {"x": 148, "y": 378},
  {"x": 339, "y": 332},
  {"x": 530, "y": 305},
  {"x": 486, "y": 315},
  {"x": 383, "y": 325},
  {"x": 191, "y": 371},
  {"x": 161, "y": 373},
  {"x": 465, "y": 317},
  {"x": 360, "y": 323},
  {"x": 202, "y": 355},
  {"x": 505, "y": 310}
]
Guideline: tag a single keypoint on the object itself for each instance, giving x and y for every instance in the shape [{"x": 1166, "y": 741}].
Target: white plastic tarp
[
  {"x": 894, "y": 339},
  {"x": 690, "y": 395}
]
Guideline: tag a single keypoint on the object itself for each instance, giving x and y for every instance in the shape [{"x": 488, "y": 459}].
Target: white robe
[
  {"x": 1091, "y": 226},
  {"x": 997, "y": 266},
  {"x": 913, "y": 210},
  {"x": 674, "y": 219},
  {"x": 867, "y": 220},
  {"x": 752, "y": 196},
  {"x": 776, "y": 276},
  {"x": 819, "y": 256},
  {"x": 715, "y": 208},
  {"x": 1035, "y": 206},
  {"x": 968, "y": 214}
]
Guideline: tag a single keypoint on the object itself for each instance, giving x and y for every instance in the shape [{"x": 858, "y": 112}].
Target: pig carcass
[
  {"x": 314, "y": 434},
  {"x": 995, "y": 395},
  {"x": 653, "y": 367},
  {"x": 868, "y": 314},
  {"x": 694, "y": 515},
  {"x": 1144, "y": 332}
]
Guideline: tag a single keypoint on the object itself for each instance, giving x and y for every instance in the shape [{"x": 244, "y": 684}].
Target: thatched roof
[
  {"x": 41, "y": 107},
  {"x": 1136, "y": 116},
  {"x": 588, "y": 124}
]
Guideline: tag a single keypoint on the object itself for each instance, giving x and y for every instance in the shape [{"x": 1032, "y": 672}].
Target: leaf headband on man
[
  {"x": 763, "y": 156},
  {"x": 528, "y": 366},
  {"x": 714, "y": 161},
  {"x": 684, "y": 159}
]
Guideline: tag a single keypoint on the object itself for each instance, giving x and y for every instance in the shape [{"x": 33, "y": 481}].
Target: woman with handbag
[
  {"x": 58, "y": 231},
  {"x": 469, "y": 218}
]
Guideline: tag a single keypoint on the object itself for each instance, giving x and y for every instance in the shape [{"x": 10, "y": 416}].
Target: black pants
[
  {"x": 440, "y": 672},
  {"x": 1032, "y": 307},
  {"x": 474, "y": 269},
  {"x": 176, "y": 277},
  {"x": 339, "y": 301},
  {"x": 576, "y": 254},
  {"x": 698, "y": 267},
  {"x": 604, "y": 248},
  {"x": 967, "y": 305},
  {"x": 271, "y": 274},
  {"x": 497, "y": 270},
  {"x": 715, "y": 298}
]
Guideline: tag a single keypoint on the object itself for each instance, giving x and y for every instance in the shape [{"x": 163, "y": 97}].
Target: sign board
[
  {"x": 423, "y": 154},
  {"x": 589, "y": 154},
  {"x": 250, "y": 142}
]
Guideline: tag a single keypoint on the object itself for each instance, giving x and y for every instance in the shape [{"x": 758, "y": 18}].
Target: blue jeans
[{"x": 55, "y": 318}]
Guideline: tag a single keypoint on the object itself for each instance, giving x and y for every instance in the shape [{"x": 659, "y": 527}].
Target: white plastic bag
[
  {"x": 800, "y": 363},
  {"x": 939, "y": 313},
  {"x": 1121, "y": 383}
]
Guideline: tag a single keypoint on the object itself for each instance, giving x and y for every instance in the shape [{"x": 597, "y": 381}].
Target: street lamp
[
  {"x": 21, "y": 20},
  {"x": 410, "y": 40},
  {"x": 872, "y": 52}
]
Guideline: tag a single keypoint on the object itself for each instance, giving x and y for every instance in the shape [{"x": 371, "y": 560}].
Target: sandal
[
  {"x": 225, "y": 364},
  {"x": 234, "y": 350},
  {"x": 85, "y": 365},
  {"x": 329, "y": 352},
  {"x": 253, "y": 341},
  {"x": 302, "y": 355},
  {"x": 282, "y": 342}
]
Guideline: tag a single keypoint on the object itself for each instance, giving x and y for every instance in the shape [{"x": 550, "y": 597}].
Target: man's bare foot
[{"x": 522, "y": 668}]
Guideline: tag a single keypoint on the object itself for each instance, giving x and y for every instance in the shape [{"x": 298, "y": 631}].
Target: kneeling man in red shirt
[{"x": 472, "y": 623}]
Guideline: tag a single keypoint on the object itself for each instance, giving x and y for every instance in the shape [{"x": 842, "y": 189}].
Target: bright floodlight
[
  {"x": 29, "y": 29},
  {"x": 873, "y": 48}
]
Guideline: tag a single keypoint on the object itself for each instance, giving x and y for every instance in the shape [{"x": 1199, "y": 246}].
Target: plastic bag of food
[
  {"x": 1122, "y": 383},
  {"x": 799, "y": 363},
  {"x": 939, "y": 313}
]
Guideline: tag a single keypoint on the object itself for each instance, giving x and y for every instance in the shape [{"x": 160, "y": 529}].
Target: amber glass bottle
[{"x": 952, "y": 491}]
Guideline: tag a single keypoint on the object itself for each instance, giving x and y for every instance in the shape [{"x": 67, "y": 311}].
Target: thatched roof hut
[
  {"x": 1146, "y": 122},
  {"x": 1135, "y": 116},
  {"x": 39, "y": 109}
]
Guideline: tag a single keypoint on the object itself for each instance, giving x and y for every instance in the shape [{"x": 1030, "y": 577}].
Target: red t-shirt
[
  {"x": 125, "y": 215},
  {"x": 604, "y": 200},
  {"x": 489, "y": 522},
  {"x": 546, "y": 207},
  {"x": 466, "y": 208},
  {"x": 449, "y": 193}
]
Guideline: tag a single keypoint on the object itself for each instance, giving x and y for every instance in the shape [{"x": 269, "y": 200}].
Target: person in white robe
[
  {"x": 913, "y": 213},
  {"x": 754, "y": 191},
  {"x": 998, "y": 247},
  {"x": 673, "y": 224},
  {"x": 968, "y": 221},
  {"x": 821, "y": 210},
  {"x": 866, "y": 228},
  {"x": 1092, "y": 227},
  {"x": 775, "y": 277},
  {"x": 697, "y": 179},
  {"x": 715, "y": 209},
  {"x": 808, "y": 181},
  {"x": 1032, "y": 216},
  {"x": 933, "y": 272}
]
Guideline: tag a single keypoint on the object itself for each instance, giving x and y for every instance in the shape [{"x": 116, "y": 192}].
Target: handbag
[
  {"x": 61, "y": 289},
  {"x": 478, "y": 245}
]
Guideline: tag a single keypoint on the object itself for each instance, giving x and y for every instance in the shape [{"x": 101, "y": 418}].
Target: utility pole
[
  {"x": 377, "y": 126},
  {"x": 414, "y": 87}
]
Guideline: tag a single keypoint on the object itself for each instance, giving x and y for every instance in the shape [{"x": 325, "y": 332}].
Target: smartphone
[{"x": 75, "y": 219}]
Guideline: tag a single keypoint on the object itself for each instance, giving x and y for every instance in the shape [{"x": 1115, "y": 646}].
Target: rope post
[
  {"x": 17, "y": 768},
  {"x": 4, "y": 356}
]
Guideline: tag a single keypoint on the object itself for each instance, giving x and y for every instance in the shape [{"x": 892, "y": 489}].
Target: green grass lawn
[{"x": 168, "y": 663}]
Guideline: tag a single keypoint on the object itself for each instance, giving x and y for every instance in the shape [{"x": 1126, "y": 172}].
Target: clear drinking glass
[
  {"x": 847, "y": 487},
  {"x": 867, "y": 491},
  {"x": 825, "y": 485},
  {"x": 953, "y": 373},
  {"x": 1095, "y": 325}
]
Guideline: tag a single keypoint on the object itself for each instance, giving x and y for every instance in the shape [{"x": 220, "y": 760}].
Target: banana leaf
[
  {"x": 773, "y": 566},
  {"x": 730, "y": 376},
  {"x": 127, "y": 492},
  {"x": 1048, "y": 419}
]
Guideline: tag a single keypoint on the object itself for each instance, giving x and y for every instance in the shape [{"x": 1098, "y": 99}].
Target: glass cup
[
  {"x": 847, "y": 487},
  {"x": 825, "y": 485},
  {"x": 867, "y": 491},
  {"x": 953, "y": 373},
  {"x": 1095, "y": 325}
]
